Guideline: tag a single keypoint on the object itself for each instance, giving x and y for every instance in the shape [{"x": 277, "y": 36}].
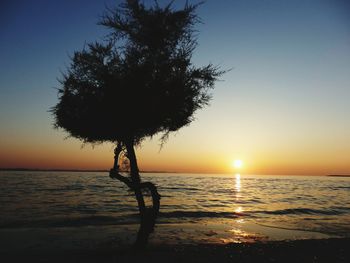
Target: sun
[{"x": 237, "y": 164}]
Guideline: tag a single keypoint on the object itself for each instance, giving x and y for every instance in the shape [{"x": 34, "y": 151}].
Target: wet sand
[
  {"x": 316, "y": 250},
  {"x": 191, "y": 242}
]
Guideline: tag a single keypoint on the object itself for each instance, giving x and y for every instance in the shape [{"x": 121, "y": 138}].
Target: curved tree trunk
[
  {"x": 147, "y": 215},
  {"x": 152, "y": 188},
  {"x": 135, "y": 176}
]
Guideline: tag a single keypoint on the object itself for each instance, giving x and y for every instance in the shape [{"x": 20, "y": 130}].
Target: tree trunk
[
  {"x": 155, "y": 196},
  {"x": 135, "y": 176},
  {"x": 147, "y": 215}
]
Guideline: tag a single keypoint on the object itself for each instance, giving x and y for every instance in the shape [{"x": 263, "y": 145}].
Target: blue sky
[{"x": 286, "y": 95}]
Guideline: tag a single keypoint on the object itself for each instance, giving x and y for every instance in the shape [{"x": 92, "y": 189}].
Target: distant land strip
[
  {"x": 69, "y": 170},
  {"x": 339, "y": 175}
]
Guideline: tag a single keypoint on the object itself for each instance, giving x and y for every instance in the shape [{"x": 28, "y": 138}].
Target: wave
[
  {"x": 181, "y": 188},
  {"x": 300, "y": 211},
  {"x": 112, "y": 220},
  {"x": 339, "y": 187},
  {"x": 199, "y": 214},
  {"x": 164, "y": 217},
  {"x": 73, "y": 222},
  {"x": 250, "y": 214}
]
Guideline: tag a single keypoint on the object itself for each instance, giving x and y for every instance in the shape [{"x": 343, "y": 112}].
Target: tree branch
[
  {"x": 152, "y": 188},
  {"x": 113, "y": 173},
  {"x": 155, "y": 199}
]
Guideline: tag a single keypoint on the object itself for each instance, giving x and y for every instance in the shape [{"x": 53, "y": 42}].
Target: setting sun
[{"x": 237, "y": 163}]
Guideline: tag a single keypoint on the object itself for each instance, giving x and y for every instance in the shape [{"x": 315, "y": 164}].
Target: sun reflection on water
[
  {"x": 240, "y": 221},
  {"x": 239, "y": 210},
  {"x": 238, "y": 182}
]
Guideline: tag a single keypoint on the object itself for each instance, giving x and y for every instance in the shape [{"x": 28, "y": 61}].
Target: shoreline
[
  {"x": 223, "y": 241},
  {"x": 199, "y": 232},
  {"x": 339, "y": 175}
]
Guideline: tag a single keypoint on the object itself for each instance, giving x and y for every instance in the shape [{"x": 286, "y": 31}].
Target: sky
[{"x": 283, "y": 108}]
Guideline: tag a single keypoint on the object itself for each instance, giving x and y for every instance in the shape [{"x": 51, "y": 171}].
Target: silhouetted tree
[{"x": 137, "y": 83}]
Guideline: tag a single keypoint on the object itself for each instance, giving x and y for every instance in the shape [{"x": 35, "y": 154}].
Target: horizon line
[{"x": 150, "y": 171}]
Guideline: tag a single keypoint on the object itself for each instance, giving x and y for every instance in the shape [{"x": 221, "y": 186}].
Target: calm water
[{"x": 54, "y": 199}]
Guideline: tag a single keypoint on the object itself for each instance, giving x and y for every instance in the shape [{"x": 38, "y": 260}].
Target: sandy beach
[
  {"x": 320, "y": 250},
  {"x": 171, "y": 243}
]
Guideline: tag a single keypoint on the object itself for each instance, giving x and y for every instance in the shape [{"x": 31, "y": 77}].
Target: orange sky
[{"x": 183, "y": 152}]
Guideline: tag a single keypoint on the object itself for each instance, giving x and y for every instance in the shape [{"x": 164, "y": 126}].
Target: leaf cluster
[{"x": 138, "y": 82}]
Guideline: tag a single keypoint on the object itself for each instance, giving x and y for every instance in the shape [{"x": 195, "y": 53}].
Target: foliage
[{"x": 138, "y": 82}]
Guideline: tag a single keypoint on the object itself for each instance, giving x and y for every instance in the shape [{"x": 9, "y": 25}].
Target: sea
[{"x": 50, "y": 199}]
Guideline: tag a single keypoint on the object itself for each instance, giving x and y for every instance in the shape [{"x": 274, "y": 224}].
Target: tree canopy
[{"x": 139, "y": 81}]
